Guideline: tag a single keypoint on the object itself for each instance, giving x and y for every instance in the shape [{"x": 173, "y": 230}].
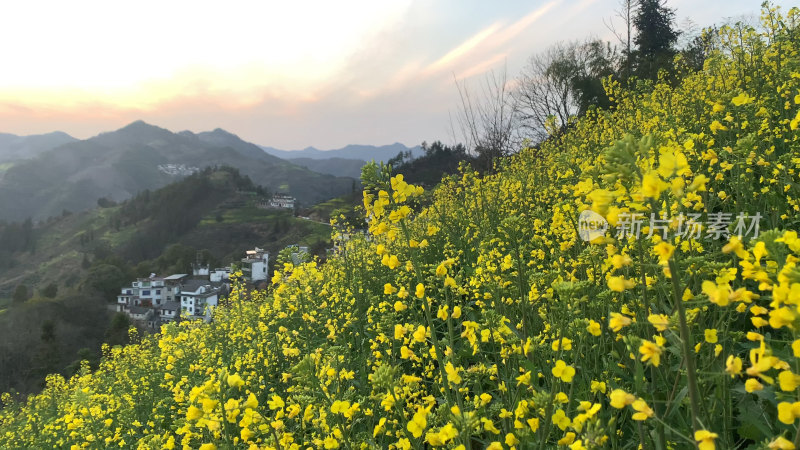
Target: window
[
  {"x": 158, "y": 291},
  {"x": 147, "y": 292}
]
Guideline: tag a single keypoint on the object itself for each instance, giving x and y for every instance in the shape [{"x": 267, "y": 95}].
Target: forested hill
[
  {"x": 57, "y": 277},
  {"x": 216, "y": 209}
]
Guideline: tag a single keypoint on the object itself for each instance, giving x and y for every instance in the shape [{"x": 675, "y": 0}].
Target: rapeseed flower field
[{"x": 484, "y": 320}]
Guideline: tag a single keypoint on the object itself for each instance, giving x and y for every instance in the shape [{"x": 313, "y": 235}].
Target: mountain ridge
[
  {"x": 352, "y": 151},
  {"x": 14, "y": 147},
  {"x": 118, "y": 164}
]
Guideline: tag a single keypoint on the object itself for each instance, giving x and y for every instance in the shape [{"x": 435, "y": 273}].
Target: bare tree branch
[{"x": 486, "y": 117}]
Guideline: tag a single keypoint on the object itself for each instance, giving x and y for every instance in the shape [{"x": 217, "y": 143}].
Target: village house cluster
[{"x": 155, "y": 300}]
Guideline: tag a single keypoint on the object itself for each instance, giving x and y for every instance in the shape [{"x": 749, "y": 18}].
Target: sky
[{"x": 286, "y": 74}]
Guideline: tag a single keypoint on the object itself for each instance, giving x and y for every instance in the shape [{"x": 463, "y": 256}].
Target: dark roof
[
  {"x": 139, "y": 310},
  {"x": 193, "y": 285},
  {"x": 171, "y": 306},
  {"x": 208, "y": 293}
]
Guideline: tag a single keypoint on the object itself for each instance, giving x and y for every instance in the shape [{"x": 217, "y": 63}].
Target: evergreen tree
[
  {"x": 20, "y": 294},
  {"x": 117, "y": 332},
  {"x": 655, "y": 38},
  {"x": 50, "y": 291},
  {"x": 47, "y": 357}
]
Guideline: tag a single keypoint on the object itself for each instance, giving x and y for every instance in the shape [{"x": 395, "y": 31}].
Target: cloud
[
  {"x": 251, "y": 61},
  {"x": 287, "y": 74},
  {"x": 524, "y": 23},
  {"x": 487, "y": 48},
  {"x": 483, "y": 67},
  {"x": 463, "y": 50}
]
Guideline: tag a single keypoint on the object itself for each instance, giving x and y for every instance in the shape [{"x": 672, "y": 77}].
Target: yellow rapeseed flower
[
  {"x": 705, "y": 439},
  {"x": 563, "y": 371},
  {"x": 659, "y": 321},
  {"x": 651, "y": 352},
  {"x": 418, "y": 422},
  {"x": 618, "y": 321},
  {"x": 733, "y": 366},
  {"x": 594, "y": 328},
  {"x": 643, "y": 411},
  {"x": 741, "y": 99},
  {"x": 620, "y": 399}
]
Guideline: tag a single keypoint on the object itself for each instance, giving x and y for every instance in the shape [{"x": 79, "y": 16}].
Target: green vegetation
[
  {"x": 344, "y": 210},
  {"x": 84, "y": 259},
  {"x": 247, "y": 213},
  {"x": 428, "y": 169}
]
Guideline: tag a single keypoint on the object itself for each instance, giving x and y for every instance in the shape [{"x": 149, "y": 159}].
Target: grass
[
  {"x": 118, "y": 238},
  {"x": 249, "y": 213},
  {"x": 323, "y": 211},
  {"x": 59, "y": 260}
]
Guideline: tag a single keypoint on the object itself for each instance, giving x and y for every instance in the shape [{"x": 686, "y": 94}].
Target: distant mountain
[
  {"x": 363, "y": 152},
  {"x": 13, "y": 147},
  {"x": 339, "y": 167},
  {"x": 118, "y": 164}
]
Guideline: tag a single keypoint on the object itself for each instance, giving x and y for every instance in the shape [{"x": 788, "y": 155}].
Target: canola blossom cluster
[{"x": 473, "y": 316}]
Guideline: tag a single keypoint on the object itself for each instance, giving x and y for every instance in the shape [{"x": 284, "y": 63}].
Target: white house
[
  {"x": 220, "y": 275},
  {"x": 199, "y": 270},
  {"x": 126, "y": 299},
  {"x": 142, "y": 292},
  {"x": 172, "y": 287},
  {"x": 151, "y": 290},
  {"x": 169, "y": 311},
  {"x": 198, "y": 299},
  {"x": 255, "y": 265}
]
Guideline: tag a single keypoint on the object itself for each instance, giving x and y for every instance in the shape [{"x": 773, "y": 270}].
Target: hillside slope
[
  {"x": 215, "y": 210},
  {"x": 339, "y": 167},
  {"x": 486, "y": 321},
  {"x": 85, "y": 258}
]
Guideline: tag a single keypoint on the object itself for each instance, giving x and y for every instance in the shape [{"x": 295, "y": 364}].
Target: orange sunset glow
[{"x": 283, "y": 74}]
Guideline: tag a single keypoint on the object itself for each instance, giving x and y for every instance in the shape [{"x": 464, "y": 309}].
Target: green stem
[
  {"x": 686, "y": 340},
  {"x": 426, "y": 307},
  {"x": 661, "y": 441}
]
